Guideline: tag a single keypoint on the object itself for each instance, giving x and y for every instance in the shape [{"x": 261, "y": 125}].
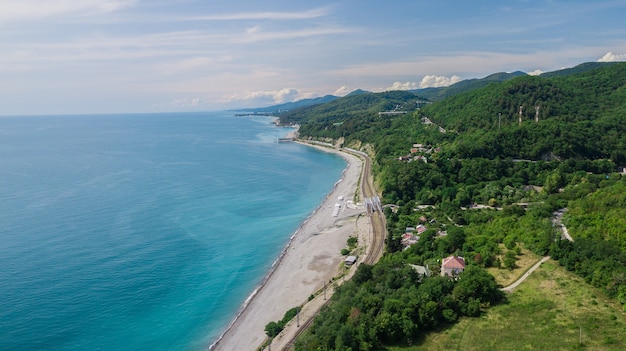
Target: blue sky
[{"x": 108, "y": 56}]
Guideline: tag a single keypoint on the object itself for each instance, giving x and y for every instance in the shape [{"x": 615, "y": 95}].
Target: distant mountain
[
  {"x": 435, "y": 94},
  {"x": 431, "y": 94},
  {"x": 357, "y": 92},
  {"x": 580, "y": 115},
  {"x": 352, "y": 105},
  {"x": 583, "y": 67},
  {"x": 291, "y": 105}
]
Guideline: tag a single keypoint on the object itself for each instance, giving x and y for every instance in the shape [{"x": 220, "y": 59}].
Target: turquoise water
[{"x": 137, "y": 232}]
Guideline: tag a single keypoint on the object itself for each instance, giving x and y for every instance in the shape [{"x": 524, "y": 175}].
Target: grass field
[
  {"x": 552, "y": 310},
  {"x": 505, "y": 277}
]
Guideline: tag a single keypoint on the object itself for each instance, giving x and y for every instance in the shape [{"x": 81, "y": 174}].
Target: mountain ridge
[{"x": 430, "y": 93}]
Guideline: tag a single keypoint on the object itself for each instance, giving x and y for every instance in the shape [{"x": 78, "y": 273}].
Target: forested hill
[
  {"x": 486, "y": 190},
  {"x": 580, "y": 115},
  {"x": 351, "y": 107}
]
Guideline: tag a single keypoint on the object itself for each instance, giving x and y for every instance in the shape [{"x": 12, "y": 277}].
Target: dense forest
[{"x": 484, "y": 186}]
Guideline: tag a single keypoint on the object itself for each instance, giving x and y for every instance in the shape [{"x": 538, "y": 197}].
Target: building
[
  {"x": 423, "y": 271},
  {"x": 409, "y": 239},
  {"x": 350, "y": 260},
  {"x": 452, "y": 266}
]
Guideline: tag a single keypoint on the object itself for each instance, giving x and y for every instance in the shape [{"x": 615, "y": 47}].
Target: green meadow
[{"x": 552, "y": 310}]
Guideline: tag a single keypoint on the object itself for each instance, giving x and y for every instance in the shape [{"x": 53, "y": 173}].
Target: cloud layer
[
  {"x": 99, "y": 56},
  {"x": 432, "y": 81},
  {"x": 611, "y": 57},
  {"x": 11, "y": 10}
]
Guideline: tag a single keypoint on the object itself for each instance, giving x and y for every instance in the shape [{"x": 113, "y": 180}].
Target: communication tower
[{"x": 536, "y": 114}]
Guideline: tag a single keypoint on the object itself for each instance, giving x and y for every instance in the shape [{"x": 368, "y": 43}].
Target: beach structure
[
  {"x": 350, "y": 260},
  {"x": 452, "y": 266},
  {"x": 336, "y": 210}
]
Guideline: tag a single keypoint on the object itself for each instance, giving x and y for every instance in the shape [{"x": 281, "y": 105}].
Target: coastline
[{"x": 310, "y": 258}]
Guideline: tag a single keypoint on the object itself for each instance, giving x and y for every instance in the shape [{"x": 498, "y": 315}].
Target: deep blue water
[{"x": 143, "y": 232}]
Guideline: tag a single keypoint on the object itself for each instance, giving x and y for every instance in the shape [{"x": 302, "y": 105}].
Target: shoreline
[{"x": 317, "y": 242}]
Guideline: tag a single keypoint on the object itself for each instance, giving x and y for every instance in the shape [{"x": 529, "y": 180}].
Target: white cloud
[
  {"x": 432, "y": 81},
  {"x": 469, "y": 63},
  {"x": 342, "y": 91},
  {"x": 11, "y": 10},
  {"x": 611, "y": 57},
  {"x": 319, "y": 12},
  {"x": 186, "y": 102},
  {"x": 253, "y": 30},
  {"x": 255, "y": 34},
  {"x": 402, "y": 86},
  {"x": 259, "y": 98},
  {"x": 535, "y": 72}
]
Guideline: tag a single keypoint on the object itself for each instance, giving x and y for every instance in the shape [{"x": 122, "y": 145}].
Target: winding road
[{"x": 556, "y": 219}]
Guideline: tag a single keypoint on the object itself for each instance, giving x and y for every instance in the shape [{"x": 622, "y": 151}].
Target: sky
[{"x": 127, "y": 56}]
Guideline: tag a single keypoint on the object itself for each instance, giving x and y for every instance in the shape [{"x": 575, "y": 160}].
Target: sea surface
[{"x": 143, "y": 231}]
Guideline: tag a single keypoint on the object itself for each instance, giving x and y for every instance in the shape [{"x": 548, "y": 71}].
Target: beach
[{"x": 311, "y": 259}]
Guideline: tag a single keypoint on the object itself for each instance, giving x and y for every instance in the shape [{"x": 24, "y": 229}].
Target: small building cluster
[
  {"x": 418, "y": 153},
  {"x": 412, "y": 235}
]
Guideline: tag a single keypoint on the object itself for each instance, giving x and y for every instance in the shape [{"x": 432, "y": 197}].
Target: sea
[{"x": 144, "y": 231}]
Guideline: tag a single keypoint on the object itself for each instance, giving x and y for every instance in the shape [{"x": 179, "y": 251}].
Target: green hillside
[
  {"x": 583, "y": 67},
  {"x": 348, "y": 114},
  {"x": 486, "y": 191},
  {"x": 580, "y": 116}
]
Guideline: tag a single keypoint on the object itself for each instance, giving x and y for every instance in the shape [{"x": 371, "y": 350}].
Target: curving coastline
[{"x": 310, "y": 258}]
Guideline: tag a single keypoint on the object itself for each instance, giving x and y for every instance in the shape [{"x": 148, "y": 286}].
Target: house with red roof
[{"x": 452, "y": 266}]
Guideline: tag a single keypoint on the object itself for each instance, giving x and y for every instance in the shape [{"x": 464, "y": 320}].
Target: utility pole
[
  {"x": 520, "y": 114},
  {"x": 580, "y": 337},
  {"x": 499, "y": 117}
]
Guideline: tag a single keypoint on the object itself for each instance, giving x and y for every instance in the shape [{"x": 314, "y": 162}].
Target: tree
[
  {"x": 475, "y": 282},
  {"x": 509, "y": 260},
  {"x": 272, "y": 329}
]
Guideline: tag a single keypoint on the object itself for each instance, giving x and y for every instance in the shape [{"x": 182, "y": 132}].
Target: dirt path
[
  {"x": 510, "y": 288},
  {"x": 558, "y": 215}
]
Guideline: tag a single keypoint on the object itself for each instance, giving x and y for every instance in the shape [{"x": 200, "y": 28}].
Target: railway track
[
  {"x": 377, "y": 218},
  {"x": 375, "y": 249}
]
